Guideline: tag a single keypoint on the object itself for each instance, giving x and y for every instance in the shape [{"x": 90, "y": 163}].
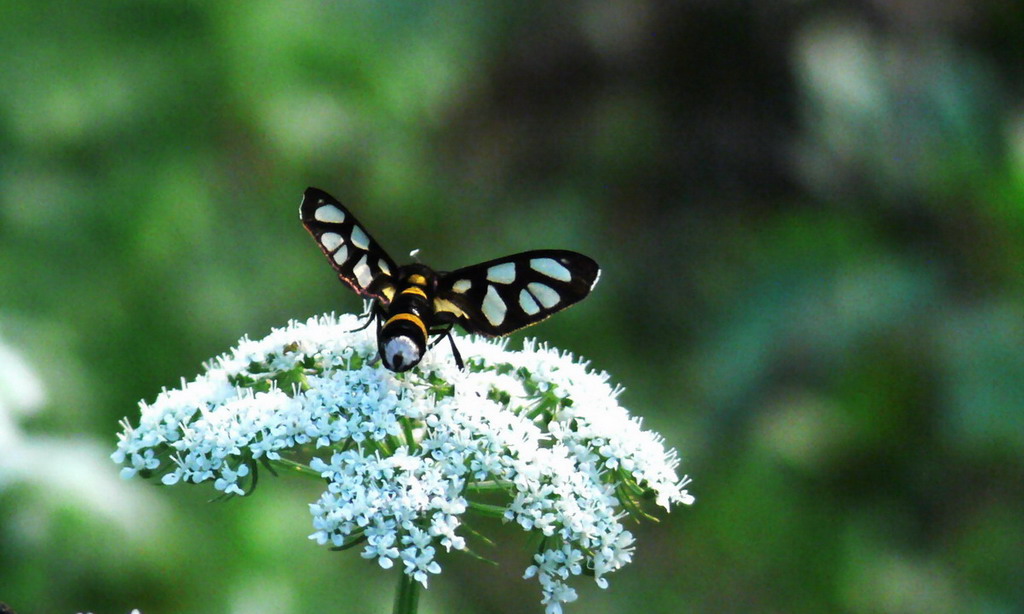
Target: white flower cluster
[{"x": 405, "y": 457}]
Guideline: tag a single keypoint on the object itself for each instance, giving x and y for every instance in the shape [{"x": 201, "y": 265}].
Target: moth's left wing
[{"x": 497, "y": 297}]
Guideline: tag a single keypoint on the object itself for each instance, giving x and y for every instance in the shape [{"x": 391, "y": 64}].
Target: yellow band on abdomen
[
  {"x": 415, "y": 290},
  {"x": 408, "y": 316}
]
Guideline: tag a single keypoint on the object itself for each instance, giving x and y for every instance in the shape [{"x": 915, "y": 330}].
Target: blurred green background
[{"x": 810, "y": 217}]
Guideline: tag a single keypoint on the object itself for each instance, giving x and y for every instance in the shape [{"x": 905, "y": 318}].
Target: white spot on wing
[
  {"x": 502, "y": 273},
  {"x": 551, "y": 268},
  {"x": 331, "y": 241},
  {"x": 362, "y": 272},
  {"x": 529, "y": 305},
  {"x": 329, "y": 214},
  {"x": 359, "y": 238},
  {"x": 384, "y": 267},
  {"x": 547, "y": 297},
  {"x": 493, "y": 307},
  {"x": 462, "y": 285},
  {"x": 341, "y": 255}
]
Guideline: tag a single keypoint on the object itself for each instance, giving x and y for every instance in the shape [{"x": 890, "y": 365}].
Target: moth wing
[
  {"x": 503, "y": 295},
  {"x": 361, "y": 263}
]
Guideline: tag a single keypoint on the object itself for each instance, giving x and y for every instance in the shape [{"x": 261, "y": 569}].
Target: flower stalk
[{"x": 407, "y": 597}]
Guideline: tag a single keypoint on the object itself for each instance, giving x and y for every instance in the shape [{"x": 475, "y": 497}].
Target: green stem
[
  {"x": 297, "y": 467},
  {"x": 410, "y": 439},
  {"x": 494, "y": 511},
  {"x": 489, "y": 485},
  {"x": 407, "y": 597}
]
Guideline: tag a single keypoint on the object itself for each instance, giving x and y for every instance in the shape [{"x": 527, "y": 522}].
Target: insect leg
[
  {"x": 455, "y": 351},
  {"x": 377, "y": 316},
  {"x": 447, "y": 332},
  {"x": 372, "y": 311},
  {"x": 439, "y": 334},
  {"x": 447, "y": 321}
]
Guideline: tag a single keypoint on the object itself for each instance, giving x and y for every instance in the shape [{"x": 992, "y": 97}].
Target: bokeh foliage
[{"x": 810, "y": 218}]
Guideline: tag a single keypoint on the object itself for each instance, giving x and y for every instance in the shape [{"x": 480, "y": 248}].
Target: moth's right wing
[{"x": 361, "y": 263}]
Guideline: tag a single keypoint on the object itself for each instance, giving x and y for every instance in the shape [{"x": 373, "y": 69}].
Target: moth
[{"x": 412, "y": 303}]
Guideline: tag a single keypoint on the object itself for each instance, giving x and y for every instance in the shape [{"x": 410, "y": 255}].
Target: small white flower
[
  {"x": 405, "y": 458},
  {"x": 381, "y": 537}
]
